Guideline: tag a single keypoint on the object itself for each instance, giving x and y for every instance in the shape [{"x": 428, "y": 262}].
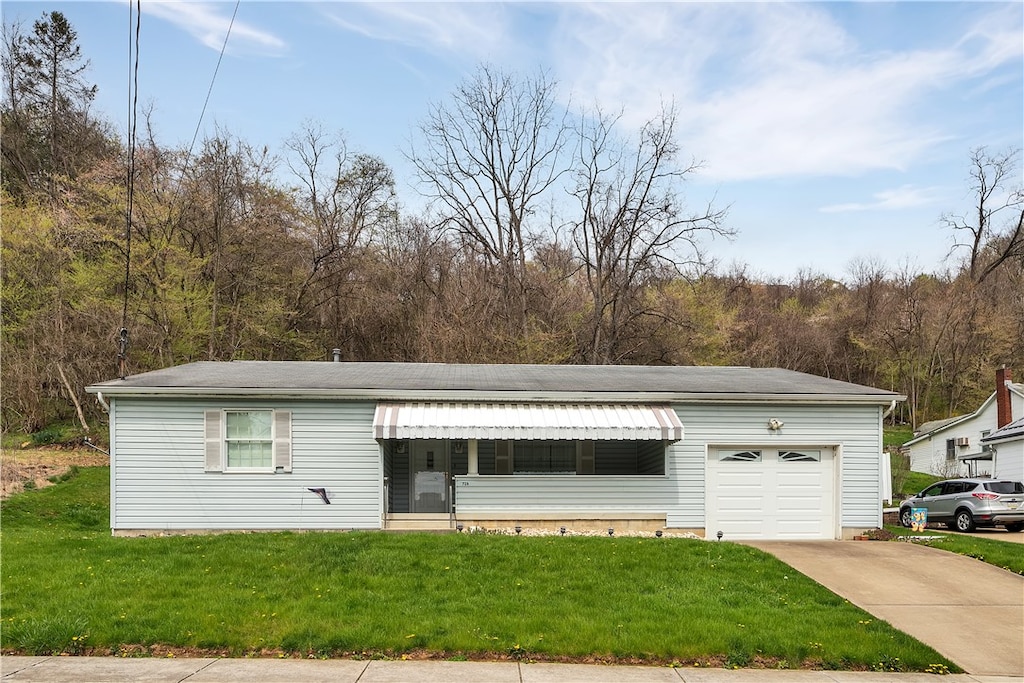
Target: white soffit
[{"x": 582, "y": 421}]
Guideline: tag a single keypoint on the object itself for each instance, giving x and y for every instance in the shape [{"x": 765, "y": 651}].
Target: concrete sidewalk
[
  {"x": 971, "y": 612},
  {"x": 117, "y": 670}
]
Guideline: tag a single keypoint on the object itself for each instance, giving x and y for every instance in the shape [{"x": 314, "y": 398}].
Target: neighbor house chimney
[
  {"x": 337, "y": 355},
  {"x": 1004, "y": 413}
]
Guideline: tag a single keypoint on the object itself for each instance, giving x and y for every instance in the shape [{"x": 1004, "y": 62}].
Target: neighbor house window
[
  {"x": 248, "y": 439},
  {"x": 950, "y": 449}
]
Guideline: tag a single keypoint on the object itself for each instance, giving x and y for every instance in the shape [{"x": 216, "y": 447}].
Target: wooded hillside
[{"x": 553, "y": 236}]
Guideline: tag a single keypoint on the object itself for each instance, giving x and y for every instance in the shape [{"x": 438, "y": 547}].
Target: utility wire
[
  {"x": 199, "y": 124},
  {"x": 209, "y": 91},
  {"x": 133, "y": 108}
]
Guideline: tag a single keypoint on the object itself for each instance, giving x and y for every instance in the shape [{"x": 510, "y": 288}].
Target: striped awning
[{"x": 527, "y": 421}]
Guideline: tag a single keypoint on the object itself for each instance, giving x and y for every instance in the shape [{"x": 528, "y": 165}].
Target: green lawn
[
  {"x": 896, "y": 435},
  {"x": 917, "y": 482},
  {"x": 1009, "y": 556},
  {"x": 68, "y": 586}
]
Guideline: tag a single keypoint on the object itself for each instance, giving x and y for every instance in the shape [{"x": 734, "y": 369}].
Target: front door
[{"x": 429, "y": 476}]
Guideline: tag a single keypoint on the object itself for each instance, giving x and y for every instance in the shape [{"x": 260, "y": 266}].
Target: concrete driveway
[{"x": 971, "y": 612}]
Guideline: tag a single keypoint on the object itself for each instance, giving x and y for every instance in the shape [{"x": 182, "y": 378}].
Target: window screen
[{"x": 544, "y": 456}]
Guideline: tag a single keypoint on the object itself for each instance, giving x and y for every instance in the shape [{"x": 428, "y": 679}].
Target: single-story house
[
  {"x": 1007, "y": 447},
  {"x": 247, "y": 445},
  {"x": 958, "y": 446}
]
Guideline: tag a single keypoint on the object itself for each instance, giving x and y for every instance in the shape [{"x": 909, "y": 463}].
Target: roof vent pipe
[{"x": 337, "y": 355}]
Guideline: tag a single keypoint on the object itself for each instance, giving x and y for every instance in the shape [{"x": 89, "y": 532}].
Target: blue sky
[{"x": 835, "y": 131}]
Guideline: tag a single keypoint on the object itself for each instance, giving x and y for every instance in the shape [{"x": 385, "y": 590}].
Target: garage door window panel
[
  {"x": 799, "y": 456},
  {"x": 739, "y": 456}
]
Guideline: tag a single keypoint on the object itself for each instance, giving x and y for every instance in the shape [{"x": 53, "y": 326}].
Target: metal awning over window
[
  {"x": 984, "y": 455},
  {"x": 580, "y": 421}
]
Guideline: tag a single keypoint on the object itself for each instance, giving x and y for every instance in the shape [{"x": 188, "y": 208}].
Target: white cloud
[
  {"x": 208, "y": 23},
  {"x": 905, "y": 197},
  {"x": 998, "y": 38},
  {"x": 468, "y": 29},
  {"x": 769, "y": 90}
]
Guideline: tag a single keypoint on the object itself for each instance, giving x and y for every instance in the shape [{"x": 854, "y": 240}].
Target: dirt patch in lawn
[{"x": 36, "y": 467}]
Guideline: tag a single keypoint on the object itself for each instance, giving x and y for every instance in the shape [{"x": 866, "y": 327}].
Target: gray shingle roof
[
  {"x": 1008, "y": 431},
  {"x": 935, "y": 425},
  {"x": 390, "y": 378}
]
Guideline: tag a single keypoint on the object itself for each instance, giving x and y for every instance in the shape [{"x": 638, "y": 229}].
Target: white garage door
[{"x": 771, "y": 493}]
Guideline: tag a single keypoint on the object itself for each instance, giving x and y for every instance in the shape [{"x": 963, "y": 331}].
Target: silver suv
[{"x": 964, "y": 504}]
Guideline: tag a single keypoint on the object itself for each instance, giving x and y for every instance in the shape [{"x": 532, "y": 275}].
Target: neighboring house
[
  {"x": 753, "y": 453},
  {"x": 1007, "y": 444},
  {"x": 958, "y": 446}
]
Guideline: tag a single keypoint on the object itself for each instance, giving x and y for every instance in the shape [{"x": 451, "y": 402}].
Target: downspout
[
  {"x": 103, "y": 404},
  {"x": 886, "y": 465}
]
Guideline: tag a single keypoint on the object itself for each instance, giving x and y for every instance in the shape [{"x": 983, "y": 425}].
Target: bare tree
[
  {"x": 487, "y": 158},
  {"x": 634, "y": 228},
  {"x": 344, "y": 202},
  {"x": 995, "y": 232}
]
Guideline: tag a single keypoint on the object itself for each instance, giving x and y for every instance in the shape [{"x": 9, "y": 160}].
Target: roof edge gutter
[{"x": 490, "y": 397}]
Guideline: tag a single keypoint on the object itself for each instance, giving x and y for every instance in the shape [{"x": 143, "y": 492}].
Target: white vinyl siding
[
  {"x": 1009, "y": 460},
  {"x": 854, "y": 430},
  {"x": 928, "y": 455},
  {"x": 160, "y": 478}
]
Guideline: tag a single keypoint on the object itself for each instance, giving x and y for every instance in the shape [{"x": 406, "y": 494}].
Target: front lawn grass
[
  {"x": 68, "y": 586},
  {"x": 1004, "y": 554}
]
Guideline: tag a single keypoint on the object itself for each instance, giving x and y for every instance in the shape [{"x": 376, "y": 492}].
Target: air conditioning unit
[{"x": 963, "y": 441}]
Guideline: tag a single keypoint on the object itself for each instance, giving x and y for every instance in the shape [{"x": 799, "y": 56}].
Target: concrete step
[{"x": 419, "y": 522}]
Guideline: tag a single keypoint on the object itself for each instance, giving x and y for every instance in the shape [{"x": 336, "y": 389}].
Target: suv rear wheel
[
  {"x": 1015, "y": 527},
  {"x": 964, "y": 521},
  {"x": 906, "y": 517}
]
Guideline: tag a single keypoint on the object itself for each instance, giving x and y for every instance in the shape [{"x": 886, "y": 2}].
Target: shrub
[{"x": 46, "y": 436}]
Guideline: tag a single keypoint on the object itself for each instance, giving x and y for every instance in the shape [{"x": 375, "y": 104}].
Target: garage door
[{"x": 771, "y": 493}]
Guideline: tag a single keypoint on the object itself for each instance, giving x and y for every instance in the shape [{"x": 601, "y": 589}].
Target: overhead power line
[
  {"x": 133, "y": 109},
  {"x": 209, "y": 91}
]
